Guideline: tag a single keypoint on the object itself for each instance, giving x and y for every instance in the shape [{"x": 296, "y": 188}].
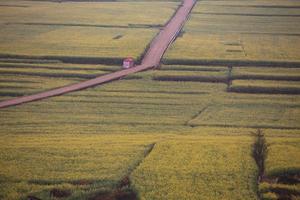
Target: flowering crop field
[
  {"x": 34, "y": 164},
  {"x": 201, "y": 132},
  {"x": 59, "y": 30},
  {"x": 197, "y": 167},
  {"x": 238, "y": 30},
  {"x": 282, "y": 168},
  {"x": 181, "y": 131}
]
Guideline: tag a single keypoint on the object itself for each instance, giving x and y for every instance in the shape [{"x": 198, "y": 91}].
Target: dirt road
[{"x": 151, "y": 59}]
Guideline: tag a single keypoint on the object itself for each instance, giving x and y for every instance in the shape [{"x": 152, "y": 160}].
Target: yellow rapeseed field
[
  {"x": 230, "y": 30},
  {"x": 87, "y": 13},
  {"x": 177, "y": 132},
  {"x": 283, "y": 155},
  {"x": 195, "y": 167},
  {"x": 81, "y": 29},
  {"x": 33, "y": 164},
  {"x": 74, "y": 41}
]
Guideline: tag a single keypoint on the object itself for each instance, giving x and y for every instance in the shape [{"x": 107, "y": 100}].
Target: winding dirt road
[{"x": 151, "y": 59}]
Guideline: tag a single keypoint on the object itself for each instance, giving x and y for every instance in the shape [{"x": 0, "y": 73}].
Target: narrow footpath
[{"x": 151, "y": 59}]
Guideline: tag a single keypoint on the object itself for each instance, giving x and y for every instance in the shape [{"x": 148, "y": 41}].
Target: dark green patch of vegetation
[
  {"x": 25, "y": 66},
  {"x": 54, "y": 75},
  {"x": 13, "y": 6},
  {"x": 247, "y": 14},
  {"x": 212, "y": 79},
  {"x": 13, "y": 87},
  {"x": 191, "y": 68},
  {"x": 16, "y": 81},
  {"x": 221, "y": 62},
  {"x": 263, "y": 90},
  {"x": 60, "y": 193},
  {"x": 10, "y": 94},
  {"x": 67, "y": 59},
  {"x": 259, "y": 153},
  {"x": 265, "y": 77},
  {"x": 142, "y": 26},
  {"x": 4, "y": 59}
]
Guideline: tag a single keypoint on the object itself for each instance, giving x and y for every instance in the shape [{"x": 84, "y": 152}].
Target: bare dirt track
[{"x": 151, "y": 59}]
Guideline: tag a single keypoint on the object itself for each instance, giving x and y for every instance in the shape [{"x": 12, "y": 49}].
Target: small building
[{"x": 128, "y": 63}]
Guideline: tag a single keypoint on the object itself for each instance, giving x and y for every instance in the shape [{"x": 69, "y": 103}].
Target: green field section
[
  {"x": 184, "y": 130},
  {"x": 106, "y": 14},
  {"x": 61, "y": 42},
  {"x": 239, "y": 30},
  {"x": 86, "y": 30},
  {"x": 88, "y": 141},
  {"x": 193, "y": 74},
  {"x": 261, "y": 115},
  {"x": 283, "y": 156},
  {"x": 81, "y": 164},
  {"x": 268, "y": 80},
  {"x": 265, "y": 86},
  {"x": 144, "y": 103},
  {"x": 121, "y": 107},
  {"x": 195, "y": 167},
  {"x": 266, "y": 73},
  {"x": 282, "y": 169}
]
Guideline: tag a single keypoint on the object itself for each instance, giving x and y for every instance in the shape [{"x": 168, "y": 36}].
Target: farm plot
[
  {"x": 17, "y": 79},
  {"x": 49, "y": 30},
  {"x": 233, "y": 30},
  {"x": 144, "y": 104},
  {"x": 265, "y": 86},
  {"x": 283, "y": 156},
  {"x": 271, "y": 80},
  {"x": 122, "y": 106},
  {"x": 282, "y": 169},
  {"x": 79, "y": 166},
  {"x": 266, "y": 73},
  {"x": 194, "y": 74},
  {"x": 195, "y": 167},
  {"x": 255, "y": 115},
  {"x": 86, "y": 144},
  {"x": 107, "y": 14},
  {"x": 67, "y": 42},
  {"x": 125, "y": 117}
]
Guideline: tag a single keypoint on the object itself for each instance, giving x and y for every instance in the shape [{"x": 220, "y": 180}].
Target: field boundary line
[
  {"x": 233, "y": 63},
  {"x": 241, "y": 126},
  {"x": 187, "y": 123}
]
